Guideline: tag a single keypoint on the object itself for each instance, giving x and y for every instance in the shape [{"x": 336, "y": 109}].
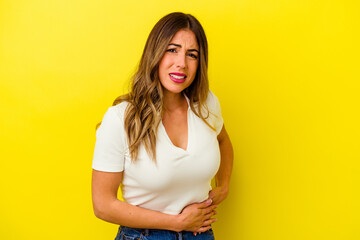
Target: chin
[{"x": 173, "y": 90}]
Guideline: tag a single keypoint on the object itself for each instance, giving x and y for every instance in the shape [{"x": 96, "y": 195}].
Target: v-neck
[{"x": 188, "y": 130}]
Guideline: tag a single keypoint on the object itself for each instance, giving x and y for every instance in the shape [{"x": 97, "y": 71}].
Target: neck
[{"x": 173, "y": 101}]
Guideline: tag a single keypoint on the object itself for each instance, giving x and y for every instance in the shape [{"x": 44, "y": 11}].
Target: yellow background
[{"x": 287, "y": 76}]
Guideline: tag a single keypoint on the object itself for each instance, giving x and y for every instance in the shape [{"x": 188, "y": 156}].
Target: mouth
[{"x": 177, "y": 77}]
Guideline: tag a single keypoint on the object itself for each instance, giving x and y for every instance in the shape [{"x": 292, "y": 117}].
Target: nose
[{"x": 181, "y": 60}]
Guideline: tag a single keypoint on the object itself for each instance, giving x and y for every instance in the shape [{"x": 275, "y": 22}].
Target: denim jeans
[{"x": 126, "y": 233}]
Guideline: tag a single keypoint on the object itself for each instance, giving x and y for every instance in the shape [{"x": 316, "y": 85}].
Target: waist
[
  {"x": 171, "y": 202},
  {"x": 161, "y": 233}
]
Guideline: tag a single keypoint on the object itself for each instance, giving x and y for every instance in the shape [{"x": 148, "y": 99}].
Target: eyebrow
[{"x": 189, "y": 50}]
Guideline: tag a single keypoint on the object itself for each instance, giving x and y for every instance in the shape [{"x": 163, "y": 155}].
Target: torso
[{"x": 179, "y": 177}]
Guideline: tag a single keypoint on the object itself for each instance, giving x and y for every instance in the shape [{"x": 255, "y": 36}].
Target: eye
[
  {"x": 171, "y": 50},
  {"x": 193, "y": 55}
]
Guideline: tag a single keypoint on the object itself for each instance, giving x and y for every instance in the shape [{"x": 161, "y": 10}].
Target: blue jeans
[{"x": 126, "y": 233}]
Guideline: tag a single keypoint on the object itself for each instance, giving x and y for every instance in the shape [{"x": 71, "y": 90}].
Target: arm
[
  {"x": 222, "y": 178},
  {"x": 195, "y": 217}
]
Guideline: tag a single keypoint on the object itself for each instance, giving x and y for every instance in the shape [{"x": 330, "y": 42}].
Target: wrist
[
  {"x": 177, "y": 223},
  {"x": 222, "y": 182},
  {"x": 224, "y": 187}
]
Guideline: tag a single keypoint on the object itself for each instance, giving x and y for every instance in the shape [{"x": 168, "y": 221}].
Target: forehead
[{"x": 186, "y": 38}]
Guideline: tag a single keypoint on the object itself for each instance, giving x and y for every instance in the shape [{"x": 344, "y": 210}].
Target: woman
[{"x": 164, "y": 142}]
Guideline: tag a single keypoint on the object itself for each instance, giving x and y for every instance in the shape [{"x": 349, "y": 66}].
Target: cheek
[
  {"x": 161, "y": 67},
  {"x": 165, "y": 63},
  {"x": 163, "y": 70}
]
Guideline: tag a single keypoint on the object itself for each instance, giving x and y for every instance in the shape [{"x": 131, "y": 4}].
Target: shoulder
[
  {"x": 213, "y": 106},
  {"x": 119, "y": 109},
  {"x": 116, "y": 112},
  {"x": 113, "y": 119}
]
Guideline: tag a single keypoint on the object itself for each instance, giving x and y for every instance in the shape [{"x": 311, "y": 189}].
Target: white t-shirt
[{"x": 179, "y": 177}]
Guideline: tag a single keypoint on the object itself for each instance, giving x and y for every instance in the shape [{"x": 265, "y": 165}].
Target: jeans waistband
[
  {"x": 144, "y": 231},
  {"x": 165, "y": 234}
]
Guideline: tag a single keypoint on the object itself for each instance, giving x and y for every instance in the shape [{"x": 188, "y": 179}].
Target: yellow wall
[{"x": 286, "y": 73}]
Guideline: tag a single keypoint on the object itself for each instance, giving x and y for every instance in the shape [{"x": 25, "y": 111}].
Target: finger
[
  {"x": 213, "y": 212},
  {"x": 209, "y": 209},
  {"x": 211, "y": 194},
  {"x": 214, "y": 199},
  {"x": 207, "y": 212},
  {"x": 205, "y": 203},
  {"x": 210, "y": 214},
  {"x": 209, "y": 222},
  {"x": 203, "y": 229}
]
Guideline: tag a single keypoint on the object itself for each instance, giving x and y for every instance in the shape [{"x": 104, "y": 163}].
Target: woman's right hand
[{"x": 196, "y": 217}]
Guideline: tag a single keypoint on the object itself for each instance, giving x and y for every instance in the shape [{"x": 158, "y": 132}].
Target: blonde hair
[{"x": 144, "y": 111}]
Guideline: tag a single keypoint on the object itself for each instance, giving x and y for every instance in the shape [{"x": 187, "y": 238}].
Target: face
[{"x": 177, "y": 68}]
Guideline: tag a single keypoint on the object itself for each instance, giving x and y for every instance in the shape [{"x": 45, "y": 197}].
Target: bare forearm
[
  {"x": 227, "y": 155},
  {"x": 123, "y": 213}
]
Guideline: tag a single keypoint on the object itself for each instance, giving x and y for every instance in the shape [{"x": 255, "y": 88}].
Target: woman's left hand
[{"x": 218, "y": 194}]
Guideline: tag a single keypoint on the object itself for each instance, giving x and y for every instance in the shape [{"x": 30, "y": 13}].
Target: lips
[
  {"x": 178, "y": 74},
  {"x": 177, "y": 77}
]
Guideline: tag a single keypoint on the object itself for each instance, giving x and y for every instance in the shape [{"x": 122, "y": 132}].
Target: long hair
[{"x": 145, "y": 109}]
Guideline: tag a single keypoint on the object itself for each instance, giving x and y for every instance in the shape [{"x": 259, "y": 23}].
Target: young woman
[{"x": 164, "y": 141}]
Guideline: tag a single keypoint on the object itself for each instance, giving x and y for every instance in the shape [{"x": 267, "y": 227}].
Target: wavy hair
[{"x": 145, "y": 109}]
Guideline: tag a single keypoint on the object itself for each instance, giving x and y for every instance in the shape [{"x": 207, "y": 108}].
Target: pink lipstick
[{"x": 177, "y": 77}]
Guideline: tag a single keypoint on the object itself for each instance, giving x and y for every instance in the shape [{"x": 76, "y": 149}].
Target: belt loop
[
  {"x": 147, "y": 232},
  {"x": 180, "y": 235}
]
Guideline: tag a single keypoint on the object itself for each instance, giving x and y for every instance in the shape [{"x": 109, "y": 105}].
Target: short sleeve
[
  {"x": 215, "y": 112},
  {"x": 110, "y": 144}
]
